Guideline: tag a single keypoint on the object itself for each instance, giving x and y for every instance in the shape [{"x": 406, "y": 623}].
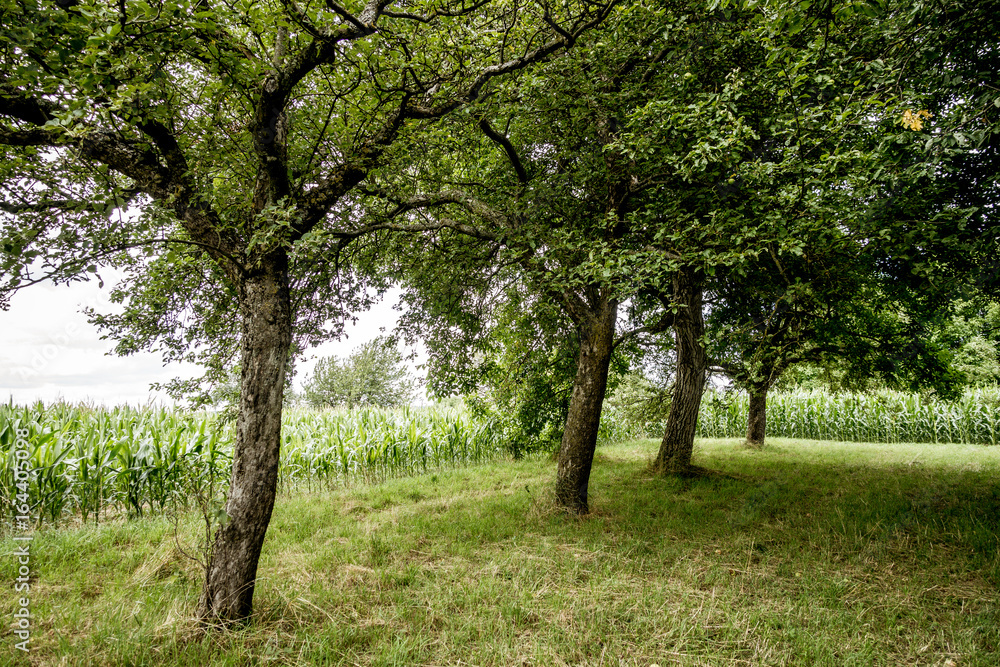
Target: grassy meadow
[{"x": 803, "y": 553}]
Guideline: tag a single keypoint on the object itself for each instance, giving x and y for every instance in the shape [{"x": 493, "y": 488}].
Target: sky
[{"x": 48, "y": 350}]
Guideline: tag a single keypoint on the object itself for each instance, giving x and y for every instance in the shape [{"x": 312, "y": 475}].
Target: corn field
[
  {"x": 89, "y": 463},
  {"x": 371, "y": 444},
  {"x": 883, "y": 416}
]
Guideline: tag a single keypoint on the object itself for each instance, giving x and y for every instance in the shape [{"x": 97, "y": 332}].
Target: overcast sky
[{"x": 48, "y": 351}]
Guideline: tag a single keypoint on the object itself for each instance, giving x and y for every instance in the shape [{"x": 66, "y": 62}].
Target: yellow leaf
[{"x": 914, "y": 120}]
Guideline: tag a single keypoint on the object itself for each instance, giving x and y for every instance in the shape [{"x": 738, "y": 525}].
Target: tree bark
[
  {"x": 757, "y": 420},
  {"x": 579, "y": 441},
  {"x": 689, "y": 327},
  {"x": 265, "y": 306}
]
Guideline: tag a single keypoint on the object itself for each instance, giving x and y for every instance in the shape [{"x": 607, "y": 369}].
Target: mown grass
[{"x": 804, "y": 553}]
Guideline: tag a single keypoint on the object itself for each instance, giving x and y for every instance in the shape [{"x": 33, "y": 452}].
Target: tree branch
[
  {"x": 97, "y": 256},
  {"x": 664, "y": 323},
  {"x": 576, "y": 308},
  {"x": 468, "y": 202},
  {"x": 346, "y": 15},
  {"x": 439, "y": 224},
  {"x": 508, "y": 148},
  {"x": 31, "y": 137},
  {"x": 435, "y": 13},
  {"x": 63, "y": 205},
  {"x": 14, "y": 104}
]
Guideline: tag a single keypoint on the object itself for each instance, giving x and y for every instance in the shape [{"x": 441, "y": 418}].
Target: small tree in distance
[{"x": 373, "y": 375}]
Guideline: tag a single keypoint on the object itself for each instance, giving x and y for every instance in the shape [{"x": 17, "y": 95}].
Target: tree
[
  {"x": 241, "y": 134},
  {"x": 373, "y": 375},
  {"x": 548, "y": 198},
  {"x": 839, "y": 310},
  {"x": 920, "y": 227}
]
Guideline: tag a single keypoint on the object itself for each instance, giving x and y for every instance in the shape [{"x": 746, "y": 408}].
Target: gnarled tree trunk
[
  {"x": 689, "y": 327},
  {"x": 265, "y": 306},
  {"x": 757, "y": 419},
  {"x": 579, "y": 441}
]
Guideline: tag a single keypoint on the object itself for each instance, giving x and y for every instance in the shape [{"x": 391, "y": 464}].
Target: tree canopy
[
  {"x": 373, "y": 375},
  {"x": 215, "y": 150}
]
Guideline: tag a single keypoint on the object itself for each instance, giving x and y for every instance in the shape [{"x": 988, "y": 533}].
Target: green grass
[{"x": 804, "y": 553}]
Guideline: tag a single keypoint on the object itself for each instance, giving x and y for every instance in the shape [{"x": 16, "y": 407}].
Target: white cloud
[{"x": 48, "y": 350}]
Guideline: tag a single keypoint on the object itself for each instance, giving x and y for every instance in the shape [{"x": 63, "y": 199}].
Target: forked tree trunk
[
  {"x": 689, "y": 327},
  {"x": 267, "y": 336},
  {"x": 579, "y": 441},
  {"x": 757, "y": 419}
]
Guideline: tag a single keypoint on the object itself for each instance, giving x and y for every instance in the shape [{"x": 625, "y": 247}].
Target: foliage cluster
[{"x": 963, "y": 340}]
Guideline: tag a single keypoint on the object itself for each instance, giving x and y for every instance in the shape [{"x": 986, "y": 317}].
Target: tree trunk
[
  {"x": 579, "y": 441},
  {"x": 757, "y": 420},
  {"x": 265, "y": 306},
  {"x": 689, "y": 327}
]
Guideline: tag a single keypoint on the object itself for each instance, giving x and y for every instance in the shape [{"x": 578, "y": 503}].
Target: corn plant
[
  {"x": 92, "y": 462},
  {"x": 882, "y": 416},
  {"x": 88, "y": 462}
]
